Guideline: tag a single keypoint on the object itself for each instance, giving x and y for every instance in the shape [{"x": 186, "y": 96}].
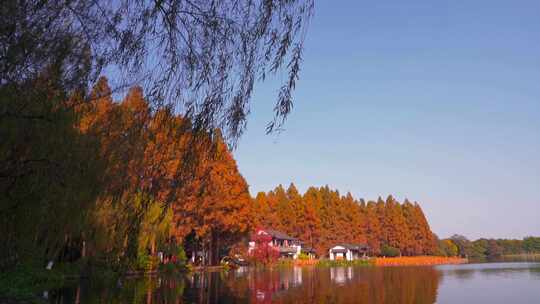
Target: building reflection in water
[
  {"x": 265, "y": 286},
  {"x": 345, "y": 285},
  {"x": 407, "y": 285},
  {"x": 340, "y": 275}
]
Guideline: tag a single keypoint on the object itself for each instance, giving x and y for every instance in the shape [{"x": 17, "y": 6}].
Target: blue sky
[{"x": 436, "y": 102}]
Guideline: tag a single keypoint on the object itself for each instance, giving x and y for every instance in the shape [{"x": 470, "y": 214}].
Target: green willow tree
[
  {"x": 49, "y": 172},
  {"x": 203, "y": 56}
]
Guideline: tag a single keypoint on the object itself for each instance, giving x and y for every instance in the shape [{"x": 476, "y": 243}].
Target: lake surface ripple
[{"x": 470, "y": 283}]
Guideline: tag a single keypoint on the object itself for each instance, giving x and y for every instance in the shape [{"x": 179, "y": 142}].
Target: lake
[{"x": 468, "y": 283}]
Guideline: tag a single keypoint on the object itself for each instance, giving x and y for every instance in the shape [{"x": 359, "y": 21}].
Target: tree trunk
[
  {"x": 214, "y": 249},
  {"x": 83, "y": 250},
  {"x": 204, "y": 254},
  {"x": 149, "y": 295},
  {"x": 78, "y": 294},
  {"x": 211, "y": 250},
  {"x": 217, "y": 250}
]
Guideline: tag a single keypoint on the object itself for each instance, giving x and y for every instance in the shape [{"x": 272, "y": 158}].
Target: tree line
[
  {"x": 321, "y": 218},
  {"x": 458, "y": 245}
]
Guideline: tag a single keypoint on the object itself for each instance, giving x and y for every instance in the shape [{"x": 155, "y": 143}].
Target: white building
[{"x": 348, "y": 252}]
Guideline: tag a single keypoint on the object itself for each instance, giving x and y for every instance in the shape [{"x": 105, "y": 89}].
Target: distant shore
[{"x": 522, "y": 255}]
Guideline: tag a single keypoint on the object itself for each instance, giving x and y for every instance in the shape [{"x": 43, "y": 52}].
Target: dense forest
[{"x": 322, "y": 217}]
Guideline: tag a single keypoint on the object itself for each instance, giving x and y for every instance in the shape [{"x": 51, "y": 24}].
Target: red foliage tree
[{"x": 263, "y": 252}]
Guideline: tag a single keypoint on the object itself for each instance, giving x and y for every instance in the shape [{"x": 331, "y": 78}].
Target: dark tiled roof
[
  {"x": 279, "y": 235},
  {"x": 308, "y": 249},
  {"x": 354, "y": 246}
]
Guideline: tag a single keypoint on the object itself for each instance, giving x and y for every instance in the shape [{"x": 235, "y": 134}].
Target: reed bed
[
  {"x": 305, "y": 262},
  {"x": 418, "y": 261}
]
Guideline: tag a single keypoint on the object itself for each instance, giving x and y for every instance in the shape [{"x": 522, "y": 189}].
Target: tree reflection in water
[{"x": 285, "y": 285}]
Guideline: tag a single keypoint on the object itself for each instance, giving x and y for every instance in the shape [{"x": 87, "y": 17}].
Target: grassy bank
[
  {"x": 314, "y": 262},
  {"x": 418, "y": 261},
  {"x": 24, "y": 283},
  {"x": 375, "y": 261},
  {"x": 341, "y": 263}
]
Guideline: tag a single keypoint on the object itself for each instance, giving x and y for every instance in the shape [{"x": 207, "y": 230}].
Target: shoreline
[
  {"x": 372, "y": 262},
  {"x": 419, "y": 261}
]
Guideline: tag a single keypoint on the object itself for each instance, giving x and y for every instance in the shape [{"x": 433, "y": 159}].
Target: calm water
[{"x": 472, "y": 283}]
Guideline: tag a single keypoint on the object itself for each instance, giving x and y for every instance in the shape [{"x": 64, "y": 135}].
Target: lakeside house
[
  {"x": 291, "y": 247},
  {"x": 288, "y": 246},
  {"x": 348, "y": 252}
]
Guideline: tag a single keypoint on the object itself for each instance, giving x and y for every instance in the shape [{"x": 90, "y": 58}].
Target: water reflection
[
  {"x": 304, "y": 285},
  {"x": 490, "y": 283},
  {"x": 340, "y": 275},
  {"x": 490, "y": 270}
]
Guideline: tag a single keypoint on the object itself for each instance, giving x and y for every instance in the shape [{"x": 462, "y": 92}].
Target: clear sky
[{"x": 437, "y": 102}]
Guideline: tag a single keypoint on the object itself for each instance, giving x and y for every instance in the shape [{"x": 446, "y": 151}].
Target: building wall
[{"x": 334, "y": 256}]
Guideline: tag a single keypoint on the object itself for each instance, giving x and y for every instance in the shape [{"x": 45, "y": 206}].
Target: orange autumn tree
[
  {"x": 374, "y": 229},
  {"x": 309, "y": 223},
  {"x": 262, "y": 212},
  {"x": 394, "y": 223},
  {"x": 216, "y": 205},
  {"x": 424, "y": 242}
]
